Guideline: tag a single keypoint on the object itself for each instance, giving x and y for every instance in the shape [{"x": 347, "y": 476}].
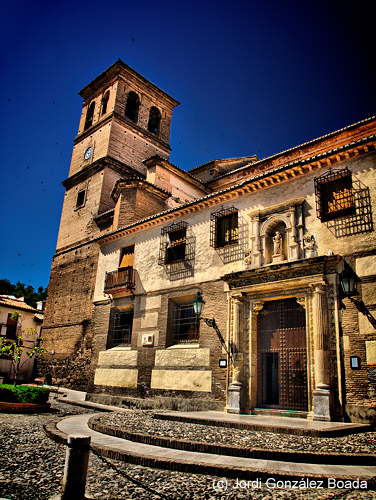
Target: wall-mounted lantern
[{"x": 347, "y": 281}]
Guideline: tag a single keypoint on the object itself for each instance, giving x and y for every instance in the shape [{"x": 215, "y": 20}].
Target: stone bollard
[{"x": 75, "y": 469}]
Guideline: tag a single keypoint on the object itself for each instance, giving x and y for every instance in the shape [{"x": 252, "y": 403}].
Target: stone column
[
  {"x": 256, "y": 247},
  {"x": 321, "y": 394},
  {"x": 235, "y": 387},
  {"x": 256, "y": 308}
]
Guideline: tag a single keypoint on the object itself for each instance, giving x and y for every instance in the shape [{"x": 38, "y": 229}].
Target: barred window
[
  {"x": 334, "y": 195},
  {"x": 120, "y": 331},
  {"x": 224, "y": 227},
  {"x": 173, "y": 246},
  {"x": 185, "y": 325},
  {"x": 176, "y": 245},
  {"x": 177, "y": 250}
]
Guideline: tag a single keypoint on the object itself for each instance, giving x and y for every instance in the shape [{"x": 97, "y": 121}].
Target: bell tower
[{"x": 125, "y": 119}]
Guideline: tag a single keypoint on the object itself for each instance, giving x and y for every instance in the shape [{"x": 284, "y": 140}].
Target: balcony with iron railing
[{"x": 124, "y": 279}]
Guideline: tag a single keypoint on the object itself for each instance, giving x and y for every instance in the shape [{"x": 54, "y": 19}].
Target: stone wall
[{"x": 68, "y": 324}]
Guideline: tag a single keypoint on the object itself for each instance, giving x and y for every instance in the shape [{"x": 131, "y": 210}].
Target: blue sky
[{"x": 253, "y": 78}]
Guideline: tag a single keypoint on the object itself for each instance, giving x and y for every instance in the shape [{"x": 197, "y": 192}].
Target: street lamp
[
  {"x": 347, "y": 282},
  {"x": 198, "y": 305}
]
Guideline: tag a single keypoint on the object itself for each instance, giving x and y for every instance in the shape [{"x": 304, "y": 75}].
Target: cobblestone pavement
[
  {"x": 143, "y": 421},
  {"x": 31, "y": 467}
]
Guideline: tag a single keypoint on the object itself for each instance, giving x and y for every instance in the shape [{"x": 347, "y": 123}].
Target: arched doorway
[{"x": 282, "y": 356}]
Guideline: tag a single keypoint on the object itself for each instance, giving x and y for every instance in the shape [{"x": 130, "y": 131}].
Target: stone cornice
[
  {"x": 135, "y": 183},
  {"x": 275, "y": 208},
  {"x": 97, "y": 166},
  {"x": 115, "y": 70},
  {"x": 285, "y": 270}
]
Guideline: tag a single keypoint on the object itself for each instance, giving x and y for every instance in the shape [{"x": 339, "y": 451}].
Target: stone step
[
  {"x": 279, "y": 425},
  {"x": 234, "y": 451},
  {"x": 205, "y": 463}
]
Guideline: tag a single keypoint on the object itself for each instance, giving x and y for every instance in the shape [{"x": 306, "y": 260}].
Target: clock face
[{"x": 88, "y": 153}]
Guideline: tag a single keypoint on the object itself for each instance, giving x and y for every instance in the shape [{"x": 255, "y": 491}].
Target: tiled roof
[{"x": 16, "y": 304}]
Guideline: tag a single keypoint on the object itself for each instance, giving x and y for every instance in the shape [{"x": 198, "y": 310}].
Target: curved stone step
[
  {"x": 204, "y": 463},
  {"x": 278, "y": 425},
  {"x": 231, "y": 450}
]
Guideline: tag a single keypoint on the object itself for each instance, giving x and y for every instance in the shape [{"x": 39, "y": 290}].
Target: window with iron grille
[
  {"x": 184, "y": 324},
  {"x": 120, "y": 331},
  {"x": 334, "y": 195},
  {"x": 176, "y": 245},
  {"x": 176, "y": 251},
  {"x": 224, "y": 227}
]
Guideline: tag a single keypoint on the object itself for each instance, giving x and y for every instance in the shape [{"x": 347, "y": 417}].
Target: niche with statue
[{"x": 277, "y": 234}]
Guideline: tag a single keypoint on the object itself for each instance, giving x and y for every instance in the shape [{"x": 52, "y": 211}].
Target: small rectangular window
[
  {"x": 81, "y": 198},
  {"x": 120, "y": 331},
  {"x": 184, "y": 324},
  {"x": 126, "y": 257}
]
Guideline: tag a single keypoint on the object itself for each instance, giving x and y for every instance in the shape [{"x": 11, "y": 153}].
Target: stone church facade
[{"x": 267, "y": 243}]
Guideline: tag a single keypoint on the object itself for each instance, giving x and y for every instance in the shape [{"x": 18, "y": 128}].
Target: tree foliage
[
  {"x": 21, "y": 290},
  {"x": 14, "y": 349}
]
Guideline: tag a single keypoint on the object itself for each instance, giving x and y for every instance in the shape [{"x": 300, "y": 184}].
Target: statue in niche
[
  {"x": 277, "y": 243},
  {"x": 248, "y": 257},
  {"x": 309, "y": 245},
  {"x": 277, "y": 247}
]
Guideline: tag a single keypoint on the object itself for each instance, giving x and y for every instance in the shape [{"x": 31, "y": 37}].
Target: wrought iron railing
[{"x": 125, "y": 277}]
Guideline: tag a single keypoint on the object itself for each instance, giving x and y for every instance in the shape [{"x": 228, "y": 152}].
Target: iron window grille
[
  {"x": 177, "y": 250},
  {"x": 185, "y": 325},
  {"x": 120, "y": 331},
  {"x": 343, "y": 202},
  {"x": 334, "y": 195},
  {"x": 228, "y": 234}
]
